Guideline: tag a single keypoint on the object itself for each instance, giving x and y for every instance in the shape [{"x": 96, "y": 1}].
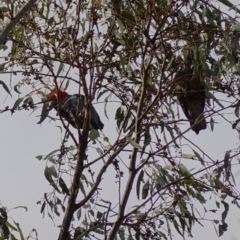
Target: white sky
[{"x": 22, "y": 181}]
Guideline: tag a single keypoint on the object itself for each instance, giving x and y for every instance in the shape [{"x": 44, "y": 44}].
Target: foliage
[
  {"x": 9, "y": 228},
  {"x": 125, "y": 55}
]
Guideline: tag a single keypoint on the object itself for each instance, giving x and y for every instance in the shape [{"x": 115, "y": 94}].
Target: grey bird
[
  {"x": 71, "y": 109},
  {"x": 190, "y": 90}
]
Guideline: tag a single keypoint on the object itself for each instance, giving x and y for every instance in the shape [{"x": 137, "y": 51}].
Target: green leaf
[
  {"x": 39, "y": 157},
  {"x": 120, "y": 38},
  {"x": 48, "y": 202},
  {"x": 58, "y": 202},
  {"x": 161, "y": 181},
  {"x": 120, "y": 25},
  {"x": 226, "y": 210},
  {"x": 19, "y": 230},
  {"x": 176, "y": 226},
  {"x": 52, "y": 160},
  {"x": 99, "y": 151},
  {"x": 227, "y": 165},
  {"x": 106, "y": 139},
  {"x": 43, "y": 207},
  {"x": 98, "y": 231},
  {"x": 99, "y": 215},
  {"x": 139, "y": 180},
  {"x": 230, "y": 5},
  {"x": 17, "y": 103},
  {"x": 236, "y": 111},
  {"x": 208, "y": 14},
  {"x": 56, "y": 210},
  {"x": 44, "y": 113},
  {"x": 78, "y": 231},
  {"x": 53, "y": 171},
  {"x": 4, "y": 9},
  {"x": 91, "y": 212},
  {"x": 5, "y": 231},
  {"x": 61, "y": 67},
  {"x": 63, "y": 208},
  {"x": 94, "y": 134},
  {"x": 145, "y": 190},
  {"x": 212, "y": 124},
  {"x": 85, "y": 206},
  {"x": 119, "y": 116},
  {"x": 79, "y": 213},
  {"x": 188, "y": 156},
  {"x": 82, "y": 188},
  {"x": 227, "y": 155},
  {"x": 63, "y": 186},
  {"x": 184, "y": 171},
  {"x": 5, "y": 87},
  {"x": 121, "y": 233},
  {"x": 102, "y": 93},
  {"x": 50, "y": 216},
  {"x": 128, "y": 15},
  {"x": 198, "y": 157},
  {"x": 12, "y": 237},
  {"x": 162, "y": 235},
  {"x": 133, "y": 143},
  {"x": 51, "y": 21},
  {"x": 11, "y": 226},
  {"x": 105, "y": 107},
  {"x": 51, "y": 153},
  {"x": 170, "y": 130},
  {"x": 200, "y": 198},
  {"x": 117, "y": 4},
  {"x": 222, "y": 228},
  {"x": 48, "y": 175},
  {"x": 210, "y": 95},
  {"x": 130, "y": 237},
  {"x": 28, "y": 100},
  {"x": 67, "y": 84},
  {"x": 2, "y": 65}
]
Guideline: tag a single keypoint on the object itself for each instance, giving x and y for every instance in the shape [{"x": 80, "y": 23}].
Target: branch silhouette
[{"x": 15, "y": 20}]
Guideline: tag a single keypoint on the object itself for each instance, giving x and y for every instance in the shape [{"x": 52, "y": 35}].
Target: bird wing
[
  {"x": 77, "y": 102},
  {"x": 72, "y": 110},
  {"x": 191, "y": 95}
]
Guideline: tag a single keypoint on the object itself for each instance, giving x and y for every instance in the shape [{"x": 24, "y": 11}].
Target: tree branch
[
  {"x": 14, "y": 21},
  {"x": 132, "y": 164},
  {"x": 75, "y": 186},
  {"x": 99, "y": 178}
]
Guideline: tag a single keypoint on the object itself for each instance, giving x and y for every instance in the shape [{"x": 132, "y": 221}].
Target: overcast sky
[{"x": 22, "y": 181}]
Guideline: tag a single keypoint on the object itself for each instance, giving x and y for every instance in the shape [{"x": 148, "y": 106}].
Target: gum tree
[{"x": 124, "y": 55}]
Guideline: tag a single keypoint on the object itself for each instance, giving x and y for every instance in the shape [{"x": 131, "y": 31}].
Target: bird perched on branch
[
  {"x": 190, "y": 90},
  {"x": 71, "y": 108}
]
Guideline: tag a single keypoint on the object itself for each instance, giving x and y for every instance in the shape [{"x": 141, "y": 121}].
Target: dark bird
[
  {"x": 71, "y": 109},
  {"x": 190, "y": 90}
]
